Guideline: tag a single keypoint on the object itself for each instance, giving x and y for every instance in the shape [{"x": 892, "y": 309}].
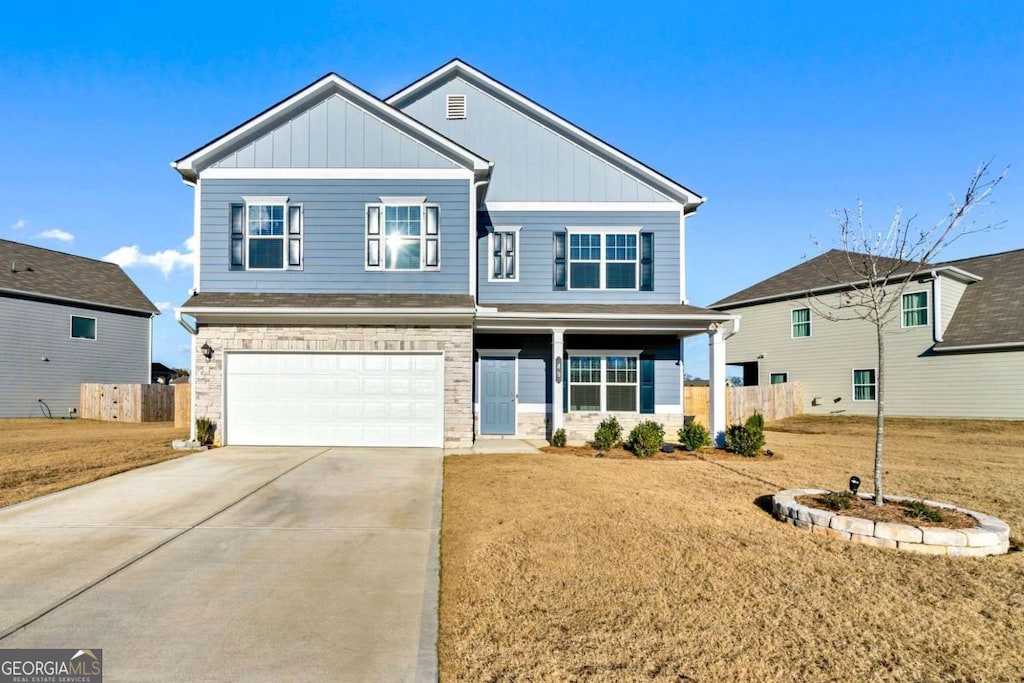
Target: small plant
[
  {"x": 746, "y": 439},
  {"x": 608, "y": 434},
  {"x": 694, "y": 436},
  {"x": 915, "y": 509},
  {"x": 558, "y": 438},
  {"x": 204, "y": 430},
  {"x": 646, "y": 438},
  {"x": 838, "y": 500}
]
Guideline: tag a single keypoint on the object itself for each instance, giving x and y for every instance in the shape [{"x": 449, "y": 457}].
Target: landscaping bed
[
  {"x": 618, "y": 453},
  {"x": 40, "y": 456},
  {"x": 894, "y": 511}
]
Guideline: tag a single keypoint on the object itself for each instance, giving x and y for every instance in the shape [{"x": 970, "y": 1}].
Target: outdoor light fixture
[
  {"x": 207, "y": 351},
  {"x": 854, "y": 484},
  {"x": 558, "y": 370}
]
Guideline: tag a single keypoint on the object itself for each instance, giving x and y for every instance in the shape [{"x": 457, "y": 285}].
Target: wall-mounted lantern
[
  {"x": 207, "y": 351},
  {"x": 558, "y": 370}
]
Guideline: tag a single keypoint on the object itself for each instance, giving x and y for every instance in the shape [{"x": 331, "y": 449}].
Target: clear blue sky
[{"x": 778, "y": 115}]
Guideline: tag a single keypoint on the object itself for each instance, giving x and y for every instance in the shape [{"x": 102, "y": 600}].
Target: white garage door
[{"x": 334, "y": 399}]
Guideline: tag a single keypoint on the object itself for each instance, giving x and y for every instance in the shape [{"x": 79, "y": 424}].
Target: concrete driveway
[{"x": 238, "y": 564}]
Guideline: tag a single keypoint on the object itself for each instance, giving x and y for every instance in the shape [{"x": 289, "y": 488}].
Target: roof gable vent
[{"x": 456, "y": 106}]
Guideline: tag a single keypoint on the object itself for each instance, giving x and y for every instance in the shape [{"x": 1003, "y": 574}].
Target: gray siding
[
  {"x": 334, "y": 134},
  {"x": 535, "y": 360},
  {"x": 33, "y": 330},
  {"x": 333, "y": 239},
  {"x": 919, "y": 382},
  {"x": 535, "y": 257},
  {"x": 531, "y": 162},
  {"x": 952, "y": 291}
]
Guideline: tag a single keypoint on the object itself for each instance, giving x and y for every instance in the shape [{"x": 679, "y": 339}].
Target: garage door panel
[{"x": 328, "y": 399}]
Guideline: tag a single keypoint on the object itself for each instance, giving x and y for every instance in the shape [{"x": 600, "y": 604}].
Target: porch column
[
  {"x": 557, "y": 377},
  {"x": 716, "y": 372},
  {"x": 682, "y": 381}
]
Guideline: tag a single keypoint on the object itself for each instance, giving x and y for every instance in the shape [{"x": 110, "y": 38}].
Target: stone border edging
[{"x": 990, "y": 537}]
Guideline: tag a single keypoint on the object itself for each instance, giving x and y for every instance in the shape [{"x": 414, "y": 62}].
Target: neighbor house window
[
  {"x": 82, "y": 327},
  {"x": 778, "y": 378},
  {"x": 601, "y": 383},
  {"x": 266, "y": 234},
  {"x": 504, "y": 247},
  {"x": 864, "y": 385},
  {"x": 801, "y": 320},
  {"x": 603, "y": 260},
  {"x": 402, "y": 234},
  {"x": 915, "y": 309}
]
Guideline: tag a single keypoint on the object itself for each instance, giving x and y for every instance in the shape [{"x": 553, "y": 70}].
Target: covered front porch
[{"x": 538, "y": 369}]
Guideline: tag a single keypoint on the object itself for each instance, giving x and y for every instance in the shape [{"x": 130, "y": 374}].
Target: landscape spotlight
[
  {"x": 207, "y": 351},
  {"x": 854, "y": 484}
]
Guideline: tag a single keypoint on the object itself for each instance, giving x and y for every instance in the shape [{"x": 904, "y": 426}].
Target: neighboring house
[
  {"x": 161, "y": 374},
  {"x": 450, "y": 262},
  {"x": 65, "y": 320},
  {"x": 955, "y": 347}
]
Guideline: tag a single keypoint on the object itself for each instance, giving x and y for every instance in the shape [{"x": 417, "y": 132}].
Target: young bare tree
[{"x": 875, "y": 268}]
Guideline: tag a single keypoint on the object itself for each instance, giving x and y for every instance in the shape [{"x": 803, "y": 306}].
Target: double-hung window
[
  {"x": 800, "y": 319},
  {"x": 266, "y": 234},
  {"x": 603, "y": 260},
  {"x": 606, "y": 382},
  {"x": 402, "y": 233},
  {"x": 915, "y": 309},
  {"x": 864, "y": 385},
  {"x": 502, "y": 261}
]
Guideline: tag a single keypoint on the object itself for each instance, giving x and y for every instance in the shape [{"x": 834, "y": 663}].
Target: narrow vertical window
[
  {"x": 915, "y": 309},
  {"x": 801, "y": 320}
]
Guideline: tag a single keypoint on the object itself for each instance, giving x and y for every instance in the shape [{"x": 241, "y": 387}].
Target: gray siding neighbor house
[
  {"x": 65, "y": 320},
  {"x": 452, "y": 262},
  {"x": 954, "y": 349}
]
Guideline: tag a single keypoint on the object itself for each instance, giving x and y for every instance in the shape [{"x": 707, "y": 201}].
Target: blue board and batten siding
[
  {"x": 334, "y": 134},
  {"x": 31, "y": 330},
  {"x": 532, "y": 162},
  {"x": 535, "y": 283},
  {"x": 334, "y": 237},
  {"x": 534, "y": 381}
]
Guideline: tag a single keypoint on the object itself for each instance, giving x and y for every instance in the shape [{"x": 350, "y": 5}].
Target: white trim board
[
  {"x": 583, "y": 206},
  {"x": 218, "y": 173}
]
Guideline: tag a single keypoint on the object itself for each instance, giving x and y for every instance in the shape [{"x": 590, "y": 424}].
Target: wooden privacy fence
[
  {"x": 134, "y": 403},
  {"x": 774, "y": 401},
  {"x": 183, "y": 405}
]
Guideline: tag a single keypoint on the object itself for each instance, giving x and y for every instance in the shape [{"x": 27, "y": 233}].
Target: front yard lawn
[
  {"x": 570, "y": 568},
  {"x": 40, "y": 456}
]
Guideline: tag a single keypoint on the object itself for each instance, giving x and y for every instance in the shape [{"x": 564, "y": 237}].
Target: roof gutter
[
  {"x": 981, "y": 347},
  {"x": 191, "y": 329},
  {"x": 80, "y": 302}
]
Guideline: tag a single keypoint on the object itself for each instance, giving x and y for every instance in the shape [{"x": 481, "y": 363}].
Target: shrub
[
  {"x": 756, "y": 423},
  {"x": 915, "y": 509},
  {"x": 558, "y": 438},
  {"x": 608, "y": 434},
  {"x": 204, "y": 430},
  {"x": 838, "y": 500},
  {"x": 742, "y": 440},
  {"x": 694, "y": 436},
  {"x": 646, "y": 438}
]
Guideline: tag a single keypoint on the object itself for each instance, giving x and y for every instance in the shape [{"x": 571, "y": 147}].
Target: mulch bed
[
  {"x": 893, "y": 512},
  {"x": 589, "y": 451}
]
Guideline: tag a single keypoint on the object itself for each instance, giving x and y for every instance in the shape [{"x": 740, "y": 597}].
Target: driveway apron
[{"x": 240, "y": 563}]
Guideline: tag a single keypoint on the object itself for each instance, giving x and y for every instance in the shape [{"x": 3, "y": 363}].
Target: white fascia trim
[
  {"x": 518, "y": 315},
  {"x": 602, "y": 352},
  {"x": 219, "y": 173},
  {"x": 370, "y": 104},
  {"x": 197, "y": 225},
  {"x": 558, "y": 124},
  {"x": 584, "y": 206},
  {"x": 545, "y": 327},
  {"x": 682, "y": 256},
  {"x": 981, "y": 347}
]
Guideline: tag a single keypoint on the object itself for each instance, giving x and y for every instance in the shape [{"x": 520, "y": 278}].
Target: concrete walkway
[{"x": 237, "y": 564}]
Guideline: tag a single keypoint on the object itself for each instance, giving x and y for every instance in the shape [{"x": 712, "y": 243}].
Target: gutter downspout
[
  {"x": 474, "y": 206},
  {"x": 192, "y": 331}
]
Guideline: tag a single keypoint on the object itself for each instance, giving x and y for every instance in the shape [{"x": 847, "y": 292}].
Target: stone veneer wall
[
  {"x": 580, "y": 427},
  {"x": 456, "y": 342}
]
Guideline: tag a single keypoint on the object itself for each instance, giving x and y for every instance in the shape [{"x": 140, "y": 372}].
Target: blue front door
[{"x": 497, "y": 395}]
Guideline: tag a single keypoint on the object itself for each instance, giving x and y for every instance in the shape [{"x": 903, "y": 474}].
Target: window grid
[
  {"x": 402, "y": 237},
  {"x": 604, "y": 383},
  {"x": 801, "y": 322},
  {"x": 603, "y": 260},
  {"x": 915, "y": 309}
]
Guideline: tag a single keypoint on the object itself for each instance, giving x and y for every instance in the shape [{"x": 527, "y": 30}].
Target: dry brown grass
[
  {"x": 39, "y": 456},
  {"x": 567, "y": 568}
]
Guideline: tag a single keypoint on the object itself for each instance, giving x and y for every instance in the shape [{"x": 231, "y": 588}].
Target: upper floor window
[
  {"x": 266, "y": 234},
  {"x": 402, "y": 233},
  {"x": 83, "y": 327},
  {"x": 865, "y": 385},
  {"x": 504, "y": 247},
  {"x": 801, "y": 322},
  {"x": 915, "y": 309},
  {"x": 604, "y": 258}
]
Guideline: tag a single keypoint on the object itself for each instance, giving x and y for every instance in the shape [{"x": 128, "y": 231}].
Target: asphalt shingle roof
[
  {"x": 990, "y": 311},
  {"x": 54, "y": 274}
]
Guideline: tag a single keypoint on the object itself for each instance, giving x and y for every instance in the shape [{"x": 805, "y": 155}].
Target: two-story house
[
  {"x": 451, "y": 262},
  {"x": 954, "y": 345}
]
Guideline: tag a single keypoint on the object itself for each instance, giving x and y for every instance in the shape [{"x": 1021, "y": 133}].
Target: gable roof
[
  {"x": 615, "y": 156},
  {"x": 192, "y": 163},
  {"x": 49, "y": 274},
  {"x": 833, "y": 270},
  {"x": 991, "y": 311}
]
